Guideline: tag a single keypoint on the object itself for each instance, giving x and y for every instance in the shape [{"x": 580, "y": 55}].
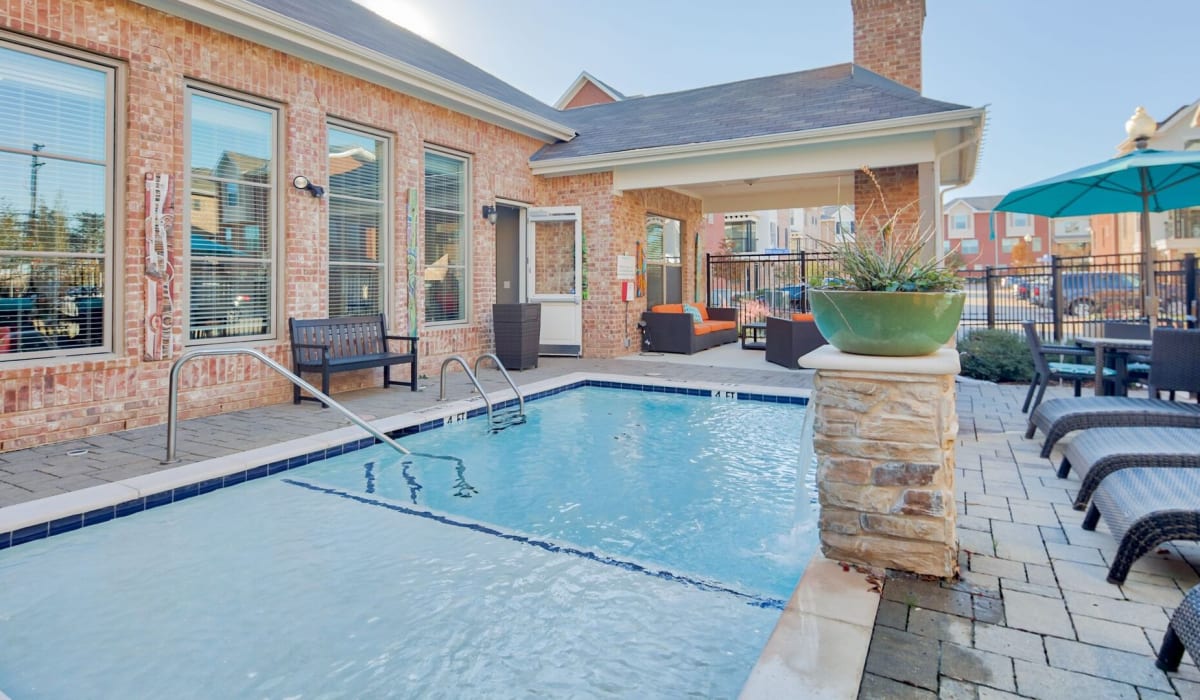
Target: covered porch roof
[{"x": 790, "y": 140}]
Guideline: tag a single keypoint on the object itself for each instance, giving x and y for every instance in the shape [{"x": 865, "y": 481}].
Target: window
[
  {"x": 969, "y": 246},
  {"x": 231, "y": 259},
  {"x": 1020, "y": 220},
  {"x": 739, "y": 236},
  {"x": 358, "y": 221},
  {"x": 1006, "y": 244},
  {"x": 56, "y": 228},
  {"x": 445, "y": 237},
  {"x": 959, "y": 222},
  {"x": 664, "y": 275}
]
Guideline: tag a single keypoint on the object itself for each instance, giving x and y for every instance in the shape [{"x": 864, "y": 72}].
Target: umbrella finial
[{"x": 1140, "y": 127}]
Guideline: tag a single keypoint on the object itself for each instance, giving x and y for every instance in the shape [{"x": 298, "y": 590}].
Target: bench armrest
[
  {"x": 298, "y": 348},
  {"x": 412, "y": 341}
]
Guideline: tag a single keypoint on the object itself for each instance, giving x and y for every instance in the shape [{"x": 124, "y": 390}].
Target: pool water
[{"x": 617, "y": 544}]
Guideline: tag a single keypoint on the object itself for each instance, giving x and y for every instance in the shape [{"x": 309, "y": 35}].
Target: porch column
[{"x": 884, "y": 436}]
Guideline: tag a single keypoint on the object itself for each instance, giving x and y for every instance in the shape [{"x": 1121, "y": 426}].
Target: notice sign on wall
[{"x": 626, "y": 268}]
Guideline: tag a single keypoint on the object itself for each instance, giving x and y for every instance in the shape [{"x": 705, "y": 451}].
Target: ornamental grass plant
[{"x": 886, "y": 254}]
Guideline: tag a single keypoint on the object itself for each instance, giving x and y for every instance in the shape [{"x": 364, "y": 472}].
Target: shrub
[{"x": 996, "y": 356}]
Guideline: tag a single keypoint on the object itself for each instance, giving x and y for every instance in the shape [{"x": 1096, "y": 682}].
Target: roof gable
[
  {"x": 583, "y": 82},
  {"x": 979, "y": 204}
]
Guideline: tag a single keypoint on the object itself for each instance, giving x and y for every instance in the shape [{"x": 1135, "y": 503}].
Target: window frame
[
  {"x": 112, "y": 258},
  {"x": 275, "y": 209},
  {"x": 386, "y": 235},
  {"x": 467, "y": 236}
]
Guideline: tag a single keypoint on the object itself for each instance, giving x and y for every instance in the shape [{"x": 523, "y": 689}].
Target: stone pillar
[{"x": 884, "y": 437}]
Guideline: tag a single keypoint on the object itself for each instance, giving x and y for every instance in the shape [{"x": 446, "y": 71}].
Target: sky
[{"x": 1058, "y": 77}]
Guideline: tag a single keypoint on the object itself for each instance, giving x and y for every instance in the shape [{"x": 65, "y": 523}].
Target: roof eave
[
  {"x": 268, "y": 28},
  {"x": 969, "y": 117}
]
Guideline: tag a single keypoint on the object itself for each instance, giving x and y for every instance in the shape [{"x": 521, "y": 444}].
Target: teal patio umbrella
[{"x": 1143, "y": 180}]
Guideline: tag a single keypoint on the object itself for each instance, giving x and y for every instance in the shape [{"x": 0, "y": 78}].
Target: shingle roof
[
  {"x": 987, "y": 203},
  {"x": 836, "y": 95},
  {"x": 355, "y": 23}
]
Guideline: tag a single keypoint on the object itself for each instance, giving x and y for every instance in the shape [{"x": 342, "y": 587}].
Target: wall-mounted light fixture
[
  {"x": 302, "y": 183},
  {"x": 489, "y": 213}
]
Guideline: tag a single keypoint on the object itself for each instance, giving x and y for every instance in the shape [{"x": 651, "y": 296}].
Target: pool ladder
[
  {"x": 173, "y": 397},
  {"x": 496, "y": 422}
]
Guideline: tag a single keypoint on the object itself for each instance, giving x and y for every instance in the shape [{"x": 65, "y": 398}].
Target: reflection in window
[
  {"x": 55, "y": 151},
  {"x": 231, "y": 249},
  {"x": 445, "y": 237},
  {"x": 357, "y": 221}
]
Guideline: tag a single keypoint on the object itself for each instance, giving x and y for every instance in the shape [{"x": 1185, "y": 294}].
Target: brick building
[{"x": 163, "y": 161}]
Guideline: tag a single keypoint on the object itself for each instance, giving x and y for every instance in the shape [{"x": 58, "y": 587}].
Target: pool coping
[{"x": 816, "y": 649}]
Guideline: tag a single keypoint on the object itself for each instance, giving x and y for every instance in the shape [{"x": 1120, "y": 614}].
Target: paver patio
[{"x": 1032, "y": 615}]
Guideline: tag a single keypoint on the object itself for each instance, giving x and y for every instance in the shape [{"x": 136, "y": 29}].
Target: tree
[{"x": 1022, "y": 253}]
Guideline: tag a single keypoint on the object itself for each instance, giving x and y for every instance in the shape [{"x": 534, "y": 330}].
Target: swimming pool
[{"x": 427, "y": 576}]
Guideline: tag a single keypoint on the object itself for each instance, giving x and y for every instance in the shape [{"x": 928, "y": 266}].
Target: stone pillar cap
[{"x": 942, "y": 361}]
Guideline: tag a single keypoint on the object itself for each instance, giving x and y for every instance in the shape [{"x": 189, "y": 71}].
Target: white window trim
[
  {"x": 277, "y": 282},
  {"x": 114, "y": 223},
  {"x": 386, "y": 237},
  {"x": 468, "y": 235}
]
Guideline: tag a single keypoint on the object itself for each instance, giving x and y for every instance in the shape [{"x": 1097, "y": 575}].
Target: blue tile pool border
[{"x": 103, "y": 514}]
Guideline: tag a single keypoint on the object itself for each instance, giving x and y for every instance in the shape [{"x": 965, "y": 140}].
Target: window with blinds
[
  {"x": 445, "y": 237},
  {"x": 231, "y": 246},
  {"x": 358, "y": 221},
  {"x": 56, "y": 154},
  {"x": 664, "y": 283}
]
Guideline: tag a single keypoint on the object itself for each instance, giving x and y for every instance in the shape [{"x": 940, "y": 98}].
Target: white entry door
[{"x": 554, "y": 277}]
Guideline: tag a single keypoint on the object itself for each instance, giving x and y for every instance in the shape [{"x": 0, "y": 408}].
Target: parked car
[{"x": 1088, "y": 293}]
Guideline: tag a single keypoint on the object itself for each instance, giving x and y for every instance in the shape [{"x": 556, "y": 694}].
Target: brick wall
[
  {"x": 894, "y": 189},
  {"x": 588, "y": 94},
  {"x": 887, "y": 38},
  {"x": 53, "y": 400}
]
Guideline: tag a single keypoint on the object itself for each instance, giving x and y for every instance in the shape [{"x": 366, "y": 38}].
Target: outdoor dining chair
[
  {"x": 1174, "y": 366},
  {"x": 1046, "y": 370}
]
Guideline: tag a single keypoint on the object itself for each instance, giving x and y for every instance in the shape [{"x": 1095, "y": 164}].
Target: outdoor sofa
[{"x": 669, "y": 328}]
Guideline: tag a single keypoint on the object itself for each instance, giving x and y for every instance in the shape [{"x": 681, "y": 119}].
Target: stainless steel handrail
[
  {"x": 173, "y": 398},
  {"x": 500, "y": 366},
  {"x": 470, "y": 375}
]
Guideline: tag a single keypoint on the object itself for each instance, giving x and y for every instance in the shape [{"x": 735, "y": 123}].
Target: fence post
[
  {"x": 1189, "y": 286},
  {"x": 991, "y": 296},
  {"x": 708, "y": 290},
  {"x": 1056, "y": 294}
]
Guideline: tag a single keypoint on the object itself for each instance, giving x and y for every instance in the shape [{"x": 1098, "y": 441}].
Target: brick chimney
[{"x": 887, "y": 38}]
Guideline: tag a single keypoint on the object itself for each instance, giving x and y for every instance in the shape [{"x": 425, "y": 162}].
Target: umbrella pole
[{"x": 1150, "y": 288}]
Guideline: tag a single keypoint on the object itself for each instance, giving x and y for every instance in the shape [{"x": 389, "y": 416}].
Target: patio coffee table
[{"x": 754, "y": 336}]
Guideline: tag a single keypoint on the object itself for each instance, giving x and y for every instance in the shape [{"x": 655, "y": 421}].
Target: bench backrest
[{"x": 349, "y": 336}]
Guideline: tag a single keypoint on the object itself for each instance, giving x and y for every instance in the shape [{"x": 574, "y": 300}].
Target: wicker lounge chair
[
  {"x": 1145, "y": 507},
  {"x": 1097, "y": 452},
  {"x": 1174, "y": 367},
  {"x": 1183, "y": 632}
]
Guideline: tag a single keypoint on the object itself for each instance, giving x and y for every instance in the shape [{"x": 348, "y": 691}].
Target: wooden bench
[{"x": 329, "y": 345}]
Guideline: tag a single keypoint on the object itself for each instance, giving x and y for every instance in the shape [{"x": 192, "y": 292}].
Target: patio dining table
[{"x": 1119, "y": 349}]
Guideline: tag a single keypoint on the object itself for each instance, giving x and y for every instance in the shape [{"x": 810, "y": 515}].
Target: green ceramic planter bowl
[{"x": 896, "y": 324}]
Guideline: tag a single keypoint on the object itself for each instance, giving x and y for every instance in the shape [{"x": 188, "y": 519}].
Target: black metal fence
[
  {"x": 764, "y": 284},
  {"x": 1066, "y": 296}
]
